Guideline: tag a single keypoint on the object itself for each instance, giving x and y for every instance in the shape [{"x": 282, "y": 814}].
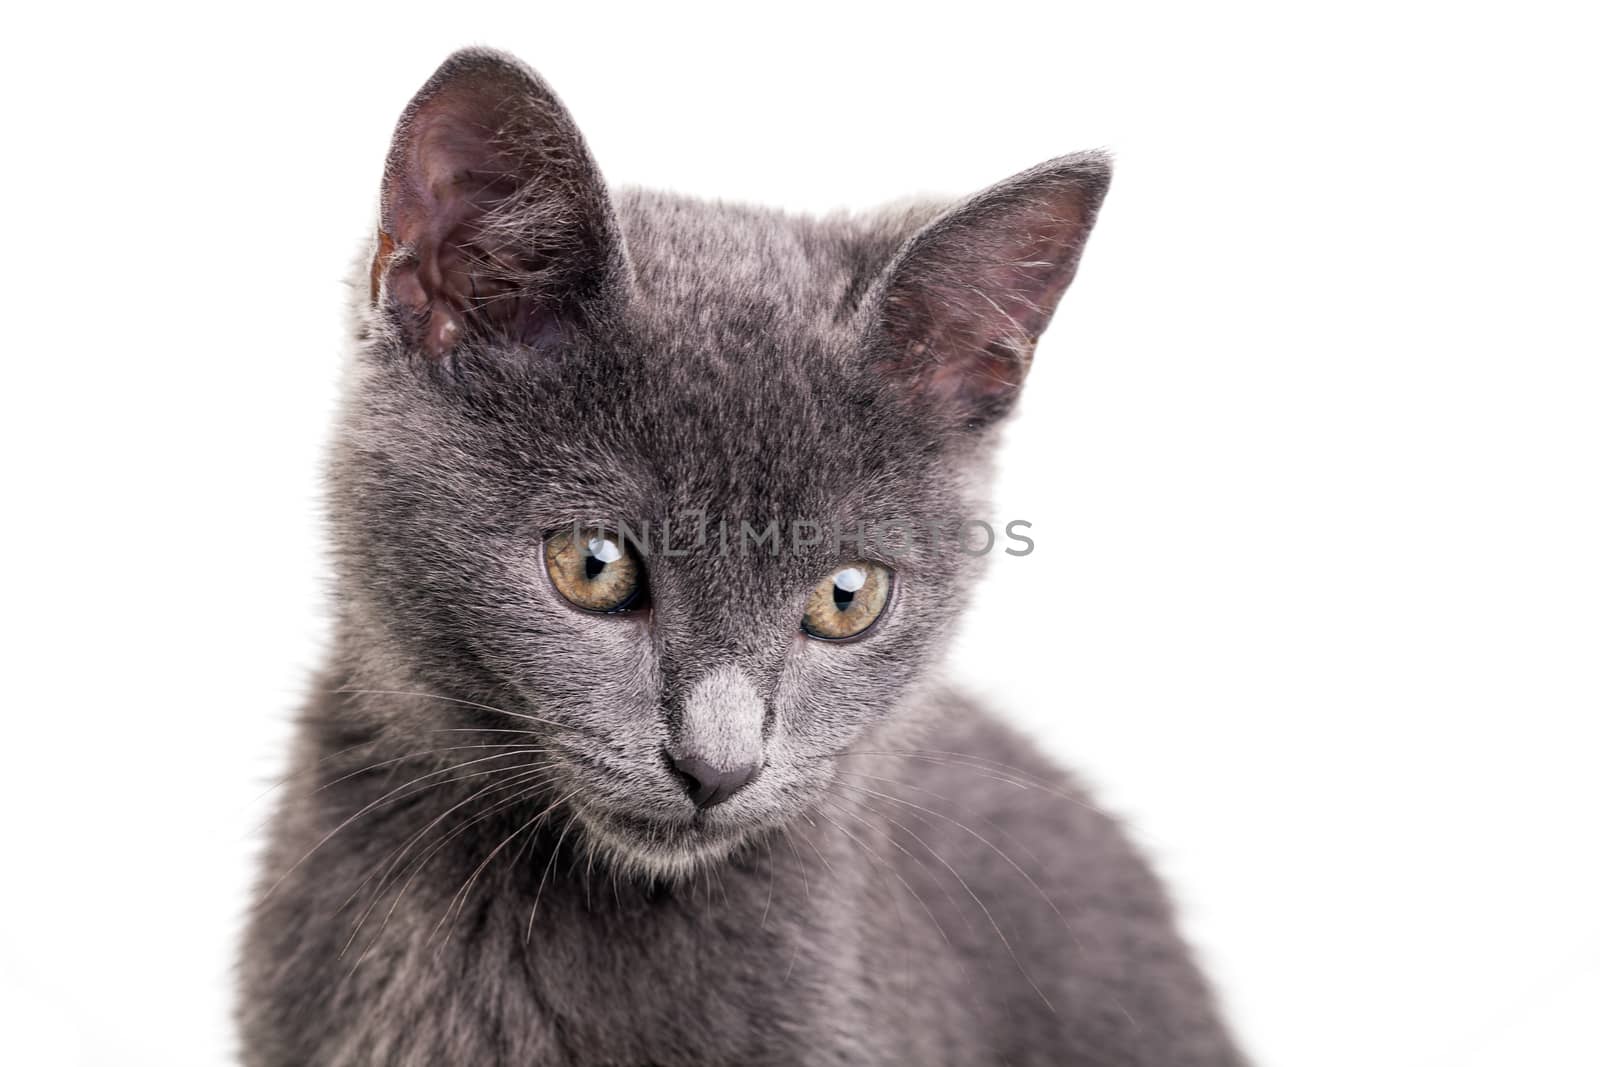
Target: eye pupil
[
  {"x": 598, "y": 552},
  {"x": 846, "y": 584}
]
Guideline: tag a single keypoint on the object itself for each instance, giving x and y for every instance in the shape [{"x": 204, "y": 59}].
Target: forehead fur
[
  {"x": 691, "y": 255},
  {"x": 743, "y": 339}
]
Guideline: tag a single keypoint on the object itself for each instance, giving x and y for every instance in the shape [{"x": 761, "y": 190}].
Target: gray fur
[{"x": 906, "y": 881}]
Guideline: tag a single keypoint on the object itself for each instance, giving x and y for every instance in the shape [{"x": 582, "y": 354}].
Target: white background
[{"x": 1311, "y": 453}]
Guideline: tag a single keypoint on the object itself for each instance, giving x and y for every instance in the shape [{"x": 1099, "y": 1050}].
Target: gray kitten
[{"x": 609, "y": 763}]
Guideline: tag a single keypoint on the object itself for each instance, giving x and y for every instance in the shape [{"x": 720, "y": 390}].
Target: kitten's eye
[
  {"x": 594, "y": 570},
  {"x": 847, "y": 601}
]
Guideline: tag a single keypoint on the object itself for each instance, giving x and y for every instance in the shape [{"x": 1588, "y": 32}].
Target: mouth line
[
  {"x": 695, "y": 828},
  {"x": 657, "y": 845}
]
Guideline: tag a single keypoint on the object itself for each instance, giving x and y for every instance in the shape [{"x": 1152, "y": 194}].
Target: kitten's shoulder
[
  {"x": 971, "y": 759},
  {"x": 1085, "y": 922}
]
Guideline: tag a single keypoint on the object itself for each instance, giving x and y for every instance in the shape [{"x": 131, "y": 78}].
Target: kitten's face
[
  {"x": 464, "y": 479},
  {"x": 541, "y": 360}
]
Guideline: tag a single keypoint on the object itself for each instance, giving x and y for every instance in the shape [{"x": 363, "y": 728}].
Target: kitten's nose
[{"x": 707, "y": 785}]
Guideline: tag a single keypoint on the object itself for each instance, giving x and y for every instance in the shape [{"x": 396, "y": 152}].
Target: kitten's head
[{"x": 575, "y": 415}]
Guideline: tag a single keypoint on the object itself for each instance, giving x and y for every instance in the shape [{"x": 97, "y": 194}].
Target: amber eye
[
  {"x": 594, "y": 570},
  {"x": 847, "y": 601}
]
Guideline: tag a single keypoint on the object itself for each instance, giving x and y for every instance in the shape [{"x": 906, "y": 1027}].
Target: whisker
[
  {"x": 312, "y": 768},
  {"x": 914, "y": 858},
  {"x": 813, "y": 846},
  {"x": 987, "y": 914},
  {"x": 935, "y": 795},
  {"x": 1000, "y": 772},
  {"x": 806, "y": 882},
  {"x": 528, "y": 788},
  {"x": 588, "y": 871},
  {"x": 539, "y": 893},
  {"x": 961, "y": 963},
  {"x": 879, "y": 865},
  {"x": 517, "y": 774},
  {"x": 285, "y": 779},
  {"x": 459, "y": 701},
  {"x": 386, "y": 797},
  {"x": 458, "y": 902},
  {"x": 772, "y": 882},
  {"x": 422, "y": 754},
  {"x": 1050, "y": 903},
  {"x": 1066, "y": 925}
]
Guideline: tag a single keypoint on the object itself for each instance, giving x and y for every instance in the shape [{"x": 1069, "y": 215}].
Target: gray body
[{"x": 481, "y": 856}]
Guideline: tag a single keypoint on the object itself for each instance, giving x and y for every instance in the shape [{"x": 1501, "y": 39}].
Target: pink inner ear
[
  {"x": 954, "y": 355},
  {"x": 965, "y": 306},
  {"x": 455, "y": 175},
  {"x": 494, "y": 219}
]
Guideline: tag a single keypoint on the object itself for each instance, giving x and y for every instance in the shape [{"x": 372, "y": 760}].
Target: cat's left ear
[
  {"x": 494, "y": 222},
  {"x": 954, "y": 318}
]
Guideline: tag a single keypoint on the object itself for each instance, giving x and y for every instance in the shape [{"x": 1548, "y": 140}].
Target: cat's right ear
[{"x": 494, "y": 222}]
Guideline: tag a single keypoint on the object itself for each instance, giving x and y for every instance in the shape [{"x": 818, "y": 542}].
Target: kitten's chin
[{"x": 659, "y": 850}]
